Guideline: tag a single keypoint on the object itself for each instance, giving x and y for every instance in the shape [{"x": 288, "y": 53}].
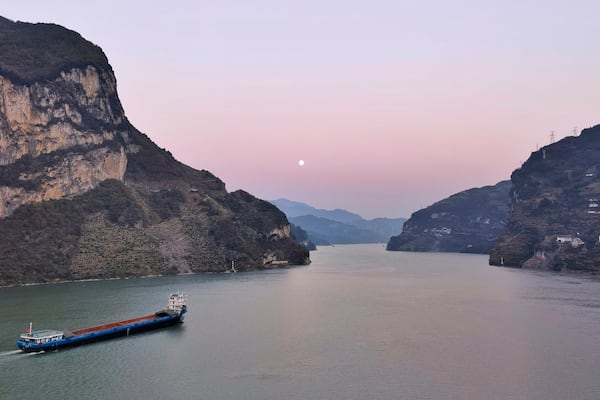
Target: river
[{"x": 358, "y": 323}]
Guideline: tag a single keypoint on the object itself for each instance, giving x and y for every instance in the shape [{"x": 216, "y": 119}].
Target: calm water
[{"x": 359, "y": 323}]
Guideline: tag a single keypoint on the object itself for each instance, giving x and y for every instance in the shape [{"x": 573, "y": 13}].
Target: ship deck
[{"x": 113, "y": 324}]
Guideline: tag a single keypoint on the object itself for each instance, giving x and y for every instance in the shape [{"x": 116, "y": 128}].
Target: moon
[{"x": 301, "y": 162}]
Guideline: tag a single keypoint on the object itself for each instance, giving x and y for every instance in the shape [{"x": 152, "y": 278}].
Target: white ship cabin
[
  {"x": 176, "y": 302},
  {"x": 43, "y": 336},
  {"x": 564, "y": 238}
]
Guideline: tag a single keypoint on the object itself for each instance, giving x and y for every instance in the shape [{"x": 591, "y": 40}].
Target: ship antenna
[{"x": 551, "y": 137}]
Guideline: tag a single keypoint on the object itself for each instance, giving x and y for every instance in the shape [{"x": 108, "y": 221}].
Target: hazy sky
[{"x": 392, "y": 105}]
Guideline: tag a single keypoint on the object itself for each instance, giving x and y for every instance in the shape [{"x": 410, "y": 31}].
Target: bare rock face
[
  {"x": 68, "y": 123},
  {"x": 83, "y": 194}
]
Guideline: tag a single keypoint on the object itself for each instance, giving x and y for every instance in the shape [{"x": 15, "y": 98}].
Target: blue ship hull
[{"x": 107, "y": 331}]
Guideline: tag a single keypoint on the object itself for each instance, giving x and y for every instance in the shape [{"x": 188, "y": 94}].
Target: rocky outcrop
[
  {"x": 62, "y": 127},
  {"x": 554, "y": 222},
  {"x": 466, "y": 222},
  {"x": 302, "y": 237},
  {"x": 83, "y": 194}
]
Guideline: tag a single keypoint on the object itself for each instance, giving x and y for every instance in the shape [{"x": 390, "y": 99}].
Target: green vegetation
[
  {"x": 31, "y": 52},
  {"x": 40, "y": 239},
  {"x": 166, "y": 203},
  {"x": 468, "y": 222},
  {"x": 555, "y": 192}
]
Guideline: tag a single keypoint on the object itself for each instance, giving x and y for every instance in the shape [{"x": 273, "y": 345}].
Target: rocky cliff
[
  {"x": 554, "y": 221},
  {"x": 83, "y": 194},
  {"x": 466, "y": 222}
]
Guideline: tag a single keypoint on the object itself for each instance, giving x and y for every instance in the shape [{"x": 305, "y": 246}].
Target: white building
[{"x": 564, "y": 238}]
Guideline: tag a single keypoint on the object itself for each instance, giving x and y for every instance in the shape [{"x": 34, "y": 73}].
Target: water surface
[{"x": 359, "y": 323}]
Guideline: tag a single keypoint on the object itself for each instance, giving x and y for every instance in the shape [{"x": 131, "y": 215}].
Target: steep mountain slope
[
  {"x": 466, "y": 222},
  {"x": 83, "y": 194},
  {"x": 302, "y": 237},
  {"x": 554, "y": 221}
]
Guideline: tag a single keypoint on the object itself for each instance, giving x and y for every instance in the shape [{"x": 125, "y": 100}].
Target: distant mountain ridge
[
  {"x": 338, "y": 226},
  {"x": 298, "y": 209}
]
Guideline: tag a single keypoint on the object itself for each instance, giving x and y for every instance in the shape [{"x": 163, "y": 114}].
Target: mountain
[
  {"x": 554, "y": 222},
  {"x": 324, "y": 231},
  {"x": 297, "y": 209},
  {"x": 84, "y": 194},
  {"x": 325, "y": 227},
  {"x": 384, "y": 227},
  {"x": 466, "y": 222},
  {"x": 302, "y": 237}
]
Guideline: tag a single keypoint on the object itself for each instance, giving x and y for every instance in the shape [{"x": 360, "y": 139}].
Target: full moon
[{"x": 301, "y": 162}]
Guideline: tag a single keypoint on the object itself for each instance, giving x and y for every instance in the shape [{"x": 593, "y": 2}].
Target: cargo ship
[{"x": 48, "y": 340}]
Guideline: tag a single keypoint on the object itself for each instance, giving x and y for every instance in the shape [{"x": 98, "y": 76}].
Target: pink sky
[{"x": 393, "y": 105}]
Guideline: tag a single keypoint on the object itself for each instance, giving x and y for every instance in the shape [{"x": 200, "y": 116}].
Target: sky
[{"x": 392, "y": 105}]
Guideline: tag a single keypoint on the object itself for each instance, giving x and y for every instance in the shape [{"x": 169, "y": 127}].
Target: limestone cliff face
[
  {"x": 554, "y": 222},
  {"x": 83, "y": 194},
  {"x": 68, "y": 121},
  {"x": 467, "y": 222}
]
